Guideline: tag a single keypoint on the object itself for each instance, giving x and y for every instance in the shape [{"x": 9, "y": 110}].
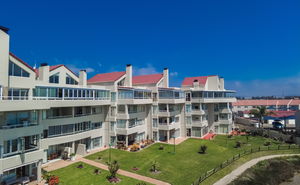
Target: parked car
[{"x": 277, "y": 125}]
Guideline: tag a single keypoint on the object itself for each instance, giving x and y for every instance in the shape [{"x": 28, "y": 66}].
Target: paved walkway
[
  {"x": 125, "y": 173},
  {"x": 177, "y": 140},
  {"x": 235, "y": 173}
]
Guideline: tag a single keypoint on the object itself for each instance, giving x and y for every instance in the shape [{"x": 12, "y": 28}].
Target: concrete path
[
  {"x": 125, "y": 173},
  {"x": 61, "y": 164},
  {"x": 235, "y": 173}
]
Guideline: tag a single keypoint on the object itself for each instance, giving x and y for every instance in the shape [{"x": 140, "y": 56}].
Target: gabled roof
[
  {"x": 146, "y": 79},
  {"x": 17, "y": 58},
  {"x": 51, "y": 68},
  {"x": 106, "y": 77},
  {"x": 188, "y": 81}
]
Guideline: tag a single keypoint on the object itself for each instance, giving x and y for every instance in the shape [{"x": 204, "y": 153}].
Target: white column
[
  {"x": 39, "y": 171},
  {"x": 1, "y": 92},
  {"x": 126, "y": 141},
  {"x": 73, "y": 147},
  {"x": 63, "y": 94},
  {"x": 168, "y": 135}
]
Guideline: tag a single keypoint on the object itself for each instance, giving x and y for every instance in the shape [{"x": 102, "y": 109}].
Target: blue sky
[{"x": 254, "y": 45}]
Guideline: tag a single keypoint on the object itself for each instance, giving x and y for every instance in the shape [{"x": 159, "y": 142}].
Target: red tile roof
[
  {"x": 266, "y": 102},
  {"x": 106, "y": 77},
  {"x": 190, "y": 80},
  {"x": 17, "y": 58},
  {"x": 277, "y": 114},
  {"x": 146, "y": 79}
]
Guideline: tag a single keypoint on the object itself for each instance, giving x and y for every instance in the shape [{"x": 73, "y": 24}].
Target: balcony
[
  {"x": 134, "y": 96},
  {"x": 172, "y": 96},
  {"x": 213, "y": 96},
  {"x": 197, "y": 123},
  {"x": 198, "y": 112},
  {"x": 168, "y": 126}
]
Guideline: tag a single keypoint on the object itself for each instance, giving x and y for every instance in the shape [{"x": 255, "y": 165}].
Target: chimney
[
  {"x": 196, "y": 84},
  {"x": 4, "y": 56},
  {"x": 82, "y": 78},
  {"x": 128, "y": 80},
  {"x": 221, "y": 83},
  {"x": 44, "y": 72},
  {"x": 166, "y": 77}
]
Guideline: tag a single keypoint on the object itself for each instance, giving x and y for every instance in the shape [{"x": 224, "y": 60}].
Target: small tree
[
  {"x": 260, "y": 113},
  {"x": 202, "y": 149},
  {"x": 238, "y": 144},
  {"x": 154, "y": 166},
  {"x": 113, "y": 169}
]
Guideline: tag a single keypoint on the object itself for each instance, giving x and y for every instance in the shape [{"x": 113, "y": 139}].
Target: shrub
[
  {"x": 161, "y": 147},
  {"x": 238, "y": 144},
  {"x": 229, "y": 136},
  {"x": 135, "y": 168},
  {"x": 80, "y": 166},
  {"x": 97, "y": 171},
  {"x": 154, "y": 166},
  {"x": 202, "y": 149},
  {"x": 135, "y": 147},
  {"x": 54, "y": 180},
  {"x": 267, "y": 143},
  {"x": 113, "y": 169}
]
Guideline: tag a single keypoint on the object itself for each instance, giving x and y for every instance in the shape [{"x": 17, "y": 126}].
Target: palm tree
[{"x": 260, "y": 113}]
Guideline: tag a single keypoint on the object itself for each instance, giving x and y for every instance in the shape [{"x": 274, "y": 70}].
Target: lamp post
[
  {"x": 174, "y": 144},
  {"x": 109, "y": 154}
]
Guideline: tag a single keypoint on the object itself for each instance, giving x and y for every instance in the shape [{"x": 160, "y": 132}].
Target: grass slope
[{"x": 186, "y": 164}]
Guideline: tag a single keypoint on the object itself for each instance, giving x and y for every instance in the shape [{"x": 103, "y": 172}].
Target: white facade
[{"x": 48, "y": 111}]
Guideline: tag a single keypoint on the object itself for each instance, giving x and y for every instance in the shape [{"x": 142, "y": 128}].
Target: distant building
[{"x": 284, "y": 109}]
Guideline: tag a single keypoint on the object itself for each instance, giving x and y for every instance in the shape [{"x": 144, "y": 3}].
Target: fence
[{"x": 237, "y": 156}]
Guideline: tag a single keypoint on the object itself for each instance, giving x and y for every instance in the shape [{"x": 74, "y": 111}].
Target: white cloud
[
  {"x": 149, "y": 69},
  {"x": 174, "y": 73},
  {"x": 273, "y": 87},
  {"x": 76, "y": 69}
]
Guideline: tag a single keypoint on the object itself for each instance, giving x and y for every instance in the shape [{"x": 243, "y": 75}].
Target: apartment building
[
  {"x": 50, "y": 112},
  {"x": 207, "y": 105},
  {"x": 283, "y": 109}
]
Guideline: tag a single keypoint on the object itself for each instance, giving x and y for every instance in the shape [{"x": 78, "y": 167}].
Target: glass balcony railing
[
  {"x": 213, "y": 94},
  {"x": 23, "y": 124}
]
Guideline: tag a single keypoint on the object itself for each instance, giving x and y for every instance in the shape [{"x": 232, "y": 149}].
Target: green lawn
[
  {"x": 186, "y": 165},
  {"x": 71, "y": 175}
]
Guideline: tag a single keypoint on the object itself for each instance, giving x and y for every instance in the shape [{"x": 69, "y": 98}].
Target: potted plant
[{"x": 73, "y": 156}]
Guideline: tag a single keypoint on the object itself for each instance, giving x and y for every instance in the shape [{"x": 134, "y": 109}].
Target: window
[
  {"x": 216, "y": 118},
  {"x": 97, "y": 125},
  {"x": 188, "y": 120},
  {"x": 54, "y": 78},
  {"x": 121, "y": 123},
  {"x": 121, "y": 109},
  {"x": 132, "y": 123},
  {"x": 15, "y": 70},
  {"x": 97, "y": 142},
  {"x": 10, "y": 146},
  {"x": 224, "y": 116},
  {"x": 154, "y": 109},
  {"x": 154, "y": 122},
  {"x": 18, "y": 94},
  {"x": 188, "y": 108},
  {"x": 70, "y": 80}
]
